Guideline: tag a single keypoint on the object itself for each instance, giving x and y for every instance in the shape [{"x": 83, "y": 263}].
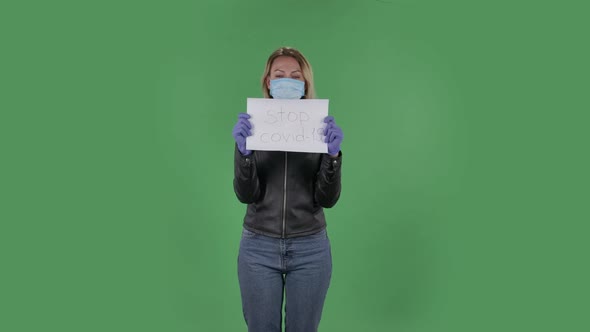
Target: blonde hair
[{"x": 305, "y": 70}]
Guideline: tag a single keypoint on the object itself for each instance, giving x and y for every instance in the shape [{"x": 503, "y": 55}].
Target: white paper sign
[{"x": 295, "y": 125}]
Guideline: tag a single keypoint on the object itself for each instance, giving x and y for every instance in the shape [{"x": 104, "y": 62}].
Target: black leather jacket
[{"x": 286, "y": 191}]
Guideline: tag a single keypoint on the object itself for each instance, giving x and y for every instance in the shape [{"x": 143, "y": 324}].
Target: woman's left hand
[{"x": 334, "y": 136}]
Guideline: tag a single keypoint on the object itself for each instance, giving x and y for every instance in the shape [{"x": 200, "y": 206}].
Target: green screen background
[{"x": 465, "y": 187}]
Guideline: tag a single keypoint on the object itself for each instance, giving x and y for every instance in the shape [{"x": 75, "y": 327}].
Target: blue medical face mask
[{"x": 287, "y": 88}]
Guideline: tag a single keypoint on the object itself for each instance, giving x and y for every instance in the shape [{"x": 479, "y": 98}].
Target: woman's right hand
[{"x": 241, "y": 131}]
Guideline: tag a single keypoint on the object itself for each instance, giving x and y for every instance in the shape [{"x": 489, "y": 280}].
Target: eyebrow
[{"x": 295, "y": 71}]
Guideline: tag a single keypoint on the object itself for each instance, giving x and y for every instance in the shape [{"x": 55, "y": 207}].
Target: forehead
[{"x": 285, "y": 63}]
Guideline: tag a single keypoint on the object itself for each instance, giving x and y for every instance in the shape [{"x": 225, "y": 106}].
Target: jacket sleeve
[
  {"x": 327, "y": 187},
  {"x": 246, "y": 185}
]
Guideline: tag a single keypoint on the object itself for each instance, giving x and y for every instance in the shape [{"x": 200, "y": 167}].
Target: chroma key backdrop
[{"x": 464, "y": 202}]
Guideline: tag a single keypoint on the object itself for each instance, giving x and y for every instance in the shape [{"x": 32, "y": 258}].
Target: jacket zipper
[{"x": 285, "y": 196}]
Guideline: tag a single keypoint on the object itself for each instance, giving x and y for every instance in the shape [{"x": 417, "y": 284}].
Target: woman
[{"x": 284, "y": 244}]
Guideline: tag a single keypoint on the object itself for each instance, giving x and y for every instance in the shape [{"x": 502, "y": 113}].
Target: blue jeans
[{"x": 301, "y": 267}]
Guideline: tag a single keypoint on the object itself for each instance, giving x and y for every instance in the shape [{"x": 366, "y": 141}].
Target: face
[{"x": 284, "y": 67}]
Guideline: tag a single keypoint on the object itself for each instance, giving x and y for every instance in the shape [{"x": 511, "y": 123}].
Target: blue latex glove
[
  {"x": 241, "y": 131},
  {"x": 334, "y": 136}
]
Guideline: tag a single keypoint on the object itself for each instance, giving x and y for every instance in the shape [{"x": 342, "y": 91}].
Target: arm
[
  {"x": 327, "y": 186},
  {"x": 246, "y": 184}
]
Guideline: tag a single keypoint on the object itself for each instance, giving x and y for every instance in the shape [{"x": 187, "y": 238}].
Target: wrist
[{"x": 336, "y": 155}]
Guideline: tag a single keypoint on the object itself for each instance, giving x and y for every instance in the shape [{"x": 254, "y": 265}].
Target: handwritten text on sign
[{"x": 295, "y": 125}]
